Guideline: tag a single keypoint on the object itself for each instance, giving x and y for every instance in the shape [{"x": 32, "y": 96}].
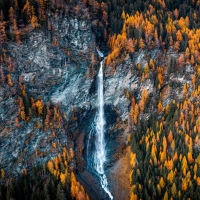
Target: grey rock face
[
  {"x": 73, "y": 32},
  {"x": 48, "y": 71},
  {"x": 57, "y": 73}
]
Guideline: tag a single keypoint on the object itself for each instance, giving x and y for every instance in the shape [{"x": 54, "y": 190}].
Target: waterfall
[
  {"x": 99, "y": 157},
  {"x": 100, "y": 53}
]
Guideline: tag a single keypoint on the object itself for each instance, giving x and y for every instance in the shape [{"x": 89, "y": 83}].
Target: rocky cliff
[
  {"x": 60, "y": 67},
  {"x": 47, "y": 70}
]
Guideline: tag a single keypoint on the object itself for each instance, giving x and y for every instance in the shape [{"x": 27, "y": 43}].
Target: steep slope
[
  {"x": 49, "y": 101},
  {"x": 43, "y": 67}
]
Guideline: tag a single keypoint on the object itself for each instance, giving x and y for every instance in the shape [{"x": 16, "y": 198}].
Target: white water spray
[
  {"x": 100, "y": 53},
  {"x": 100, "y": 152}
]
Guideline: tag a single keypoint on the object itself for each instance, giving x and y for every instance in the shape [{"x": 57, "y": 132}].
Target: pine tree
[
  {"x": 184, "y": 165},
  {"x": 3, "y": 37},
  {"x": 27, "y": 11},
  {"x": 166, "y": 196},
  {"x": 12, "y": 15},
  {"x": 33, "y": 19},
  {"x": 130, "y": 46},
  {"x": 17, "y": 34},
  {"x": 60, "y": 195},
  {"x": 2, "y": 77},
  {"x": 161, "y": 182},
  {"x": 174, "y": 190},
  {"x": 42, "y": 5},
  {"x": 10, "y": 191}
]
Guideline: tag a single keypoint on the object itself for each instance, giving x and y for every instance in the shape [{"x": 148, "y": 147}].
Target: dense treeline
[
  {"x": 37, "y": 186},
  {"x": 53, "y": 181},
  {"x": 158, "y": 29},
  {"x": 165, "y": 156},
  {"x": 106, "y": 16}
]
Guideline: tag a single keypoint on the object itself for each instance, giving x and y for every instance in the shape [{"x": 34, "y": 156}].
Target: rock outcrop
[
  {"x": 54, "y": 67},
  {"x": 44, "y": 67}
]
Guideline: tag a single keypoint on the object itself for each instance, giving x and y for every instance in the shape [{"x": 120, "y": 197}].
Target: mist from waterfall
[{"x": 99, "y": 156}]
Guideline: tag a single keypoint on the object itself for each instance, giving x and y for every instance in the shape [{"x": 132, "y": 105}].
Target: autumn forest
[{"x": 163, "y": 120}]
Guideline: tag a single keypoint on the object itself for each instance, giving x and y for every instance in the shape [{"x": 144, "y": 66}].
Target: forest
[
  {"x": 51, "y": 181},
  {"x": 164, "y": 158}
]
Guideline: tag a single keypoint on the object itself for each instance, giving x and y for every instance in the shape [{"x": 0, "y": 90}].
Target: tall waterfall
[{"x": 99, "y": 157}]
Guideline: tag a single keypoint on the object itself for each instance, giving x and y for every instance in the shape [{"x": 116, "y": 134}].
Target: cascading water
[{"x": 99, "y": 157}]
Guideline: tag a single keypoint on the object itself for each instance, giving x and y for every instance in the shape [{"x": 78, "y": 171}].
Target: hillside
[{"x": 99, "y": 99}]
